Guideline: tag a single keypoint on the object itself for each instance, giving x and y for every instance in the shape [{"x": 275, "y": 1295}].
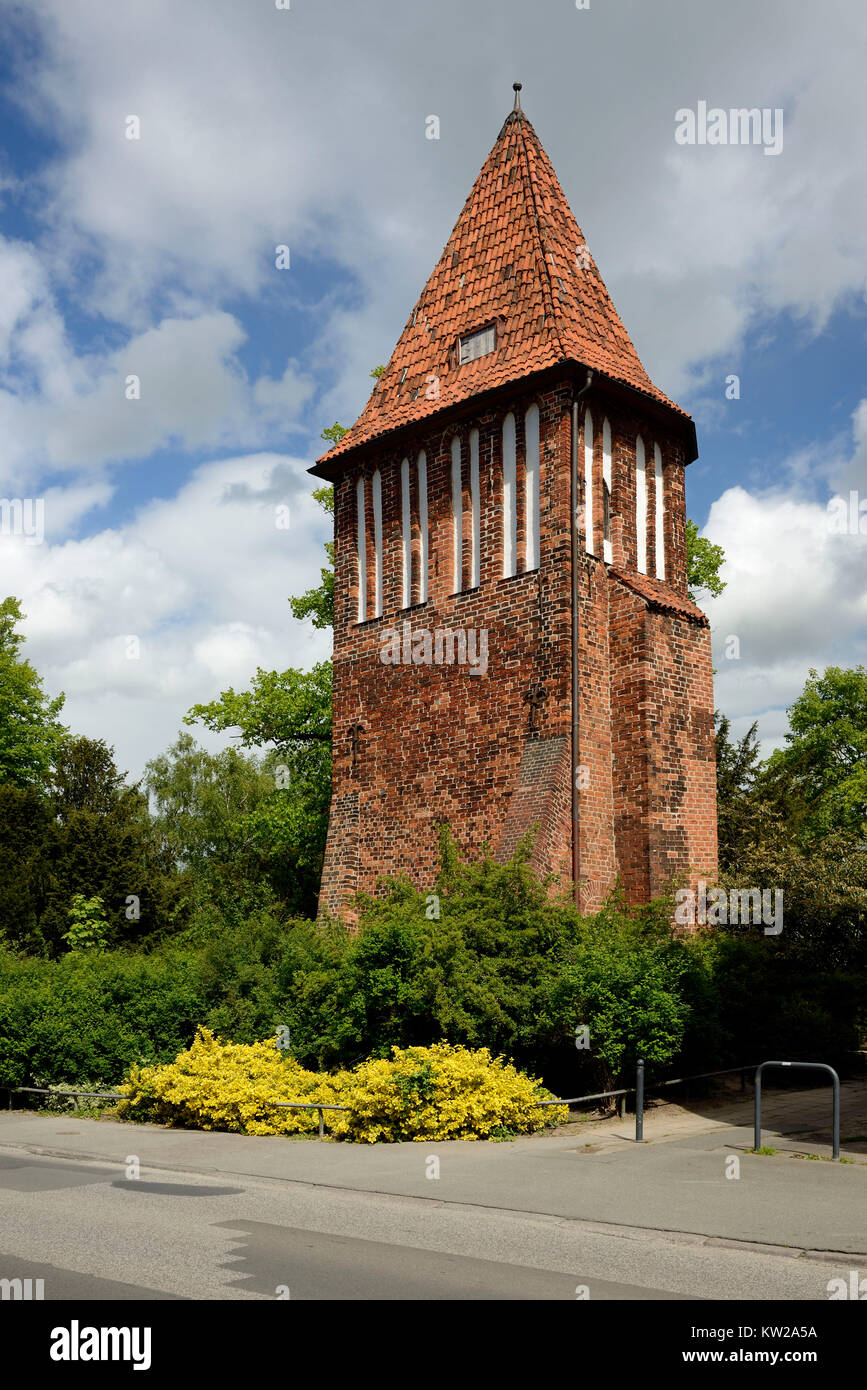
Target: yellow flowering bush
[
  {"x": 421, "y": 1093},
  {"x": 440, "y": 1092},
  {"x": 216, "y": 1085}
]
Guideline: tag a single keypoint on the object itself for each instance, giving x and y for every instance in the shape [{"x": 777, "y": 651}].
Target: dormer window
[{"x": 474, "y": 345}]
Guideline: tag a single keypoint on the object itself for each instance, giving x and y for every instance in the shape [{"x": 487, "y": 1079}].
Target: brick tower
[{"x": 514, "y": 647}]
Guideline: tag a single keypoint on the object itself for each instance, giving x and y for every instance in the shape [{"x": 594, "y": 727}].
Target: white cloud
[
  {"x": 796, "y": 598},
  {"x": 188, "y": 392},
  {"x": 184, "y": 578},
  {"x": 262, "y": 127},
  {"x": 251, "y": 136}
]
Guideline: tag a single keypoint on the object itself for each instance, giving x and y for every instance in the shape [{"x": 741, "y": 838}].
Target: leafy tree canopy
[
  {"x": 737, "y": 767},
  {"x": 825, "y": 761},
  {"x": 703, "y": 564},
  {"x": 30, "y": 731},
  {"x": 289, "y": 709}
]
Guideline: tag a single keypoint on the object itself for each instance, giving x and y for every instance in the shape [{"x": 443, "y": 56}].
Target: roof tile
[
  {"x": 659, "y": 595},
  {"x": 512, "y": 241}
]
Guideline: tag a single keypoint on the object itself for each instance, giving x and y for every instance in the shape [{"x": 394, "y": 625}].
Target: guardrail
[
  {"x": 115, "y": 1095},
  {"x": 49, "y": 1091},
  {"x": 307, "y": 1105},
  {"x": 638, "y": 1090}
]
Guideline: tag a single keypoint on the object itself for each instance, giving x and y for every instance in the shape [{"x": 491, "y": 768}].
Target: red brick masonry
[{"x": 490, "y": 752}]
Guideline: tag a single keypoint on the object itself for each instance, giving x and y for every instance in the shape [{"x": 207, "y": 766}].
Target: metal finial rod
[{"x": 516, "y": 88}]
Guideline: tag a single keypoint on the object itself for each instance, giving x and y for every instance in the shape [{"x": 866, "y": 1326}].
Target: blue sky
[{"x": 306, "y": 127}]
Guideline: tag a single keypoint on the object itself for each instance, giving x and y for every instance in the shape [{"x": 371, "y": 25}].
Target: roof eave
[{"x": 330, "y": 469}]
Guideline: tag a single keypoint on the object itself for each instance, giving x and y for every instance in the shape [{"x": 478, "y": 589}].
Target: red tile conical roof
[{"x": 517, "y": 259}]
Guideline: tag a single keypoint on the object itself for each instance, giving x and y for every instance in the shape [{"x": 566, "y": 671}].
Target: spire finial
[{"x": 516, "y": 88}]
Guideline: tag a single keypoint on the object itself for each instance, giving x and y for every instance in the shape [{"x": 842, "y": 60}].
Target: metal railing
[
  {"x": 307, "y": 1105},
  {"x": 115, "y": 1095},
  {"x": 674, "y": 1081},
  {"x": 811, "y": 1066},
  {"x": 638, "y": 1090},
  {"x": 49, "y": 1091}
]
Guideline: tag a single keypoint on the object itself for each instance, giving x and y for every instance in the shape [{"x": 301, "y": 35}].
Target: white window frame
[
  {"x": 377, "y": 544},
  {"x": 476, "y": 544},
  {"x": 659, "y": 508},
  {"x": 406, "y": 523},
  {"x": 607, "y": 552},
  {"x": 457, "y": 518},
  {"x": 422, "y": 526},
  {"x": 640, "y": 507},
  {"x": 531, "y": 490},
  {"x": 510, "y": 514},
  {"x": 361, "y": 549},
  {"x": 589, "y": 544}
]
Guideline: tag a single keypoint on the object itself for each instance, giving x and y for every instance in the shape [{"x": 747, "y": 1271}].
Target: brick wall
[{"x": 438, "y": 743}]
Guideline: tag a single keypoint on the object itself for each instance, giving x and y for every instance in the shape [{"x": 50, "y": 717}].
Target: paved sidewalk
[
  {"x": 793, "y": 1121},
  {"x": 593, "y": 1172}
]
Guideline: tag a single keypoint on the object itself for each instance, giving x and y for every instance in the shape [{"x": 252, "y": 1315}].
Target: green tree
[
  {"x": 703, "y": 564},
  {"x": 90, "y": 835},
  {"x": 625, "y": 981},
  {"x": 201, "y": 802},
  {"x": 318, "y": 603},
  {"x": 89, "y": 930},
  {"x": 737, "y": 766},
  {"x": 102, "y": 842},
  {"x": 25, "y": 818},
  {"x": 248, "y": 827},
  {"x": 30, "y": 731},
  {"x": 824, "y": 765},
  {"x": 84, "y": 778}
]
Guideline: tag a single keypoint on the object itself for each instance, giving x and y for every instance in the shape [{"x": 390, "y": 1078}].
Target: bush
[
  {"x": 225, "y": 1086},
  {"x": 498, "y": 964},
  {"x": 440, "y": 1092},
  {"x": 92, "y": 1015},
  {"x": 431, "y": 1093}
]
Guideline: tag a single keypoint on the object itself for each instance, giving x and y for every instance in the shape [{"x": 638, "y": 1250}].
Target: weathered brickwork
[
  {"x": 440, "y": 743},
  {"x": 490, "y": 751}
]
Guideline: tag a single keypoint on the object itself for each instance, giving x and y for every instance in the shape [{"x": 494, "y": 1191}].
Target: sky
[{"x": 162, "y": 577}]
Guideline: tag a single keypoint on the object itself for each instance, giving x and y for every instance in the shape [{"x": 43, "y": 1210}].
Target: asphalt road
[{"x": 91, "y": 1233}]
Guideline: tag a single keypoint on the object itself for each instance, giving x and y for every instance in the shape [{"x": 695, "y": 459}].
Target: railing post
[
  {"x": 757, "y": 1109},
  {"x": 321, "y": 1123},
  {"x": 836, "y": 1122},
  {"x": 639, "y": 1102}
]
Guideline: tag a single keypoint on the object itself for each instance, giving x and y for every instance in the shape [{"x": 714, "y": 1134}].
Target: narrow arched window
[
  {"x": 510, "y": 511},
  {"x": 406, "y": 533},
  {"x": 361, "y": 549},
  {"x": 606, "y": 492},
  {"x": 640, "y": 508},
  {"x": 457, "y": 518},
  {"x": 531, "y": 490},
  {"x": 659, "y": 511},
  {"x": 476, "y": 543},
  {"x": 377, "y": 544},
  {"x": 588, "y": 483},
  {"x": 422, "y": 526}
]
